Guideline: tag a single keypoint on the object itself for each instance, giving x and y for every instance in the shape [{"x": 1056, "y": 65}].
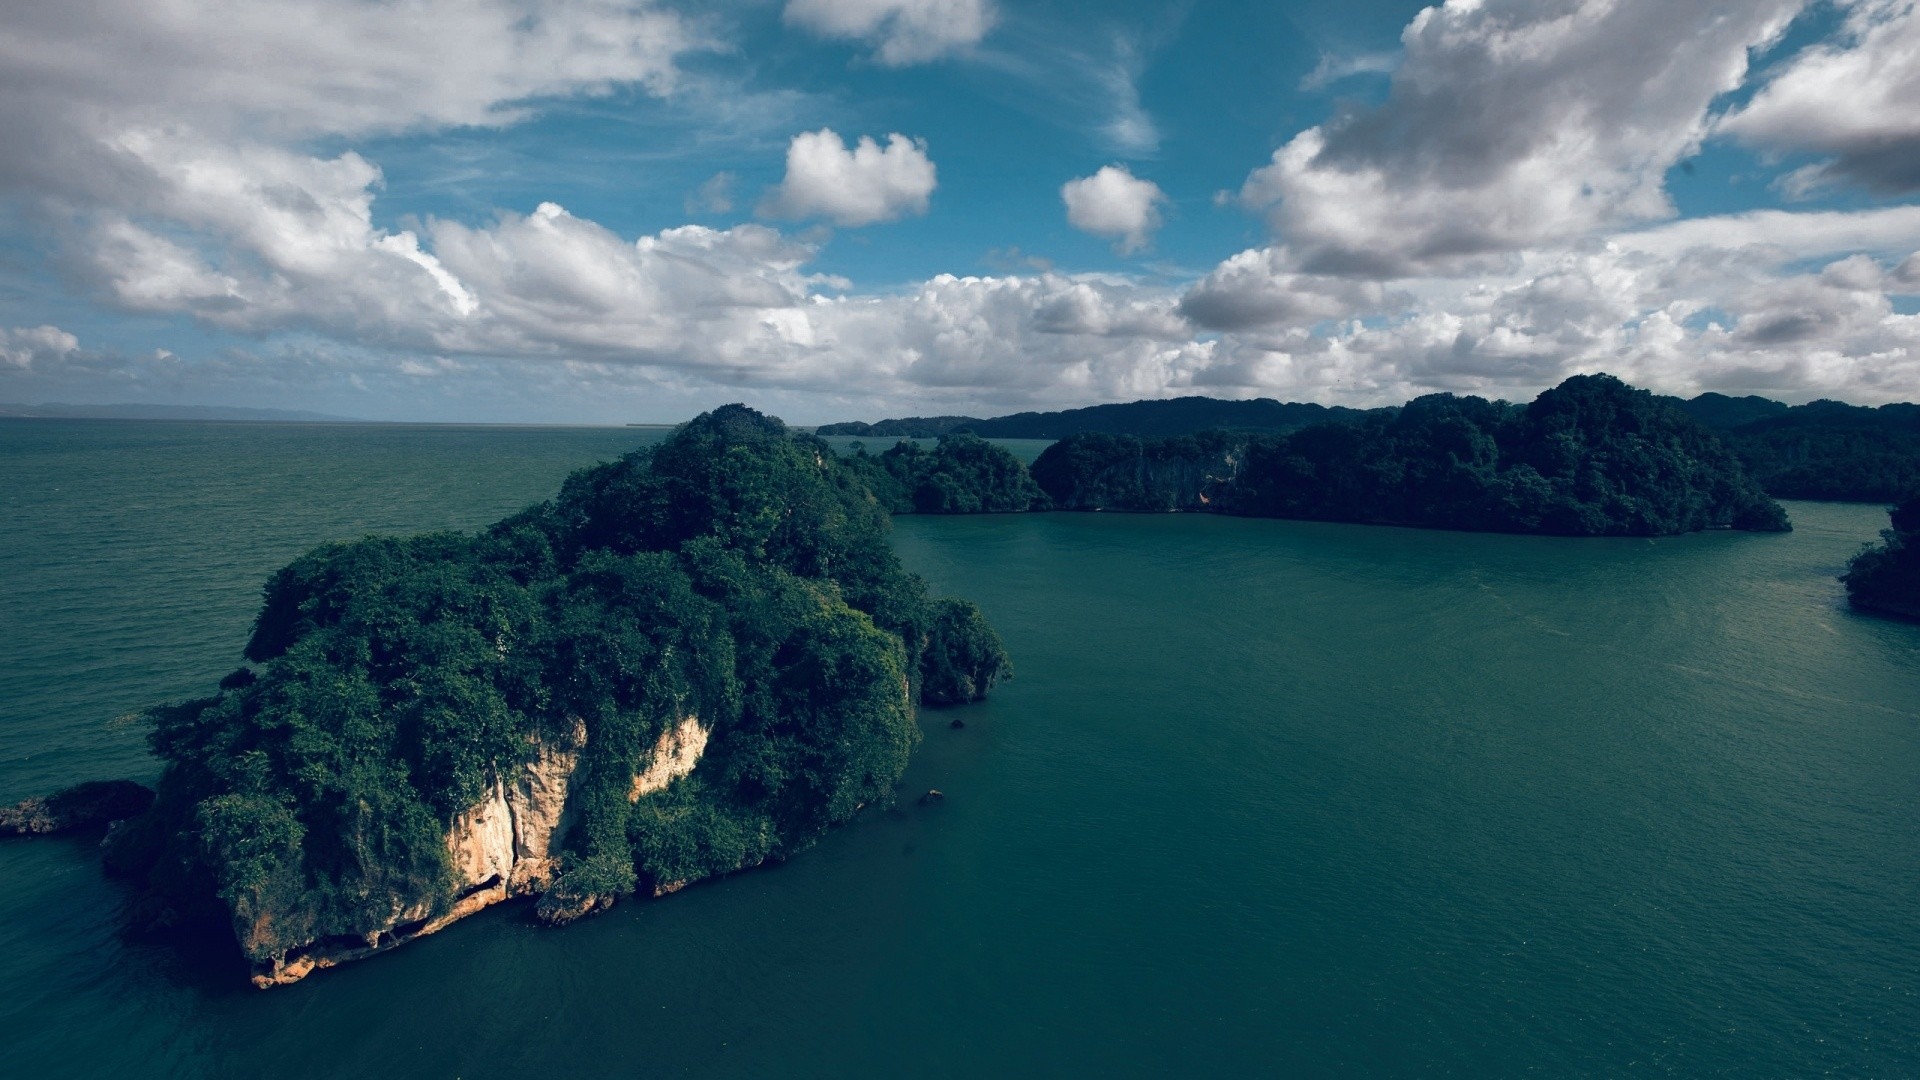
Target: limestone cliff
[{"x": 504, "y": 846}]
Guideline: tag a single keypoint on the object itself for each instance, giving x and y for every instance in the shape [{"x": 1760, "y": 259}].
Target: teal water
[{"x": 1265, "y": 798}]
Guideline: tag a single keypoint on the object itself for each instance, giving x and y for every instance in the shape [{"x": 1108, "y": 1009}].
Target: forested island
[
  {"x": 1822, "y": 450},
  {"x": 695, "y": 659},
  {"x": 1886, "y": 576},
  {"x": 1590, "y": 457}
]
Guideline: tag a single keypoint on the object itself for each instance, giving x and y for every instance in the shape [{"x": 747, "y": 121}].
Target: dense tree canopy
[
  {"x": 737, "y": 572},
  {"x": 1830, "y": 450},
  {"x": 1591, "y": 457},
  {"x": 1886, "y": 576},
  {"x": 963, "y": 474}
]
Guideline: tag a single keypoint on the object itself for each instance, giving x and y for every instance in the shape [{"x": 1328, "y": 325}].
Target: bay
[{"x": 1264, "y": 797}]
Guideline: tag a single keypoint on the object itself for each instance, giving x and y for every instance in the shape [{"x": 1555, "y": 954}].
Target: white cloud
[
  {"x": 1497, "y": 223},
  {"x": 1794, "y": 235},
  {"x": 859, "y": 186},
  {"x": 23, "y": 348},
  {"x": 1332, "y": 69},
  {"x": 1511, "y": 124},
  {"x": 1115, "y": 204},
  {"x": 901, "y": 31},
  {"x": 303, "y": 67},
  {"x": 1856, "y": 100},
  {"x": 1259, "y": 288}
]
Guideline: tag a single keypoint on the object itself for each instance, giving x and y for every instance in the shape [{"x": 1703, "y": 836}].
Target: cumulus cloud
[
  {"x": 1497, "y": 223},
  {"x": 1260, "y": 288},
  {"x": 1511, "y": 124},
  {"x": 861, "y": 185},
  {"x": 1115, "y": 204},
  {"x": 1853, "y": 100},
  {"x": 23, "y": 348},
  {"x": 901, "y": 31}
]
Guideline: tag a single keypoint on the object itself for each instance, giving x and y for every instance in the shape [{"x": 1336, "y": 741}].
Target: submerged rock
[{"x": 81, "y": 806}]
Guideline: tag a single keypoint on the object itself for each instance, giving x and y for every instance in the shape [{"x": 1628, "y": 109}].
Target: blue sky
[{"x": 600, "y": 210}]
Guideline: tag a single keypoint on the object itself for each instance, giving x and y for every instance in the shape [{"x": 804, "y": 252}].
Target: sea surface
[{"x": 1265, "y": 798}]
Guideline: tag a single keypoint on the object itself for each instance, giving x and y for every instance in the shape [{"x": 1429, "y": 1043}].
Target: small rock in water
[
  {"x": 957, "y": 723},
  {"x": 77, "y": 807},
  {"x": 933, "y": 795}
]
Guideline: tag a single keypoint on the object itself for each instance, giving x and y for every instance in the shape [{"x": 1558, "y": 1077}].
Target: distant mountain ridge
[
  {"x": 1820, "y": 450},
  {"x": 1162, "y": 417},
  {"x": 55, "y": 410}
]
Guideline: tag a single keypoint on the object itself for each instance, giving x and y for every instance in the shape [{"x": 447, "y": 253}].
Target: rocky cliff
[
  {"x": 502, "y": 847},
  {"x": 694, "y": 659}
]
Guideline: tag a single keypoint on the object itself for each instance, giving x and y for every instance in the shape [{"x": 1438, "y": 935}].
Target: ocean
[{"x": 1264, "y": 798}]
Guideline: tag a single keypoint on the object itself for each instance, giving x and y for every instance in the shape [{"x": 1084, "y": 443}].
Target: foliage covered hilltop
[
  {"x": 1591, "y": 457},
  {"x": 1821, "y": 450},
  {"x": 962, "y": 474},
  {"x": 413, "y": 704},
  {"x": 1886, "y": 576}
]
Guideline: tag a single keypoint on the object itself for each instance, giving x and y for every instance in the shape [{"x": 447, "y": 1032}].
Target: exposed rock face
[
  {"x": 507, "y": 845},
  {"x": 674, "y": 756},
  {"x": 78, "y": 807}
]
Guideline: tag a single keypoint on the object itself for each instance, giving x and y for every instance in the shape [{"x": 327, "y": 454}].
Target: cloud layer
[
  {"x": 1511, "y": 124},
  {"x": 900, "y": 31},
  {"x": 1498, "y": 221},
  {"x": 1855, "y": 101}
]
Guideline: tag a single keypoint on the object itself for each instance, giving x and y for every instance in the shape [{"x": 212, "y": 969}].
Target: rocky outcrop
[
  {"x": 674, "y": 756},
  {"x": 506, "y": 845},
  {"x": 81, "y": 806}
]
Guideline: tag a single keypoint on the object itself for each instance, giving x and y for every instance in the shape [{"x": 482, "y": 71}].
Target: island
[
  {"x": 1590, "y": 457},
  {"x": 1820, "y": 450},
  {"x": 1885, "y": 577},
  {"x": 694, "y": 660}
]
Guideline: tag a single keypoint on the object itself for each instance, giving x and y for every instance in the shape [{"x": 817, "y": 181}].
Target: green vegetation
[
  {"x": 1172, "y": 416},
  {"x": 737, "y": 572},
  {"x": 1823, "y": 450},
  {"x": 1830, "y": 450},
  {"x": 962, "y": 475},
  {"x": 1886, "y": 576},
  {"x": 1591, "y": 457}
]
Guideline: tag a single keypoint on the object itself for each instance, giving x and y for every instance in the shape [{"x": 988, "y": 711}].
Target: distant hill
[
  {"x": 1832, "y": 450},
  {"x": 1821, "y": 450},
  {"x": 59, "y": 411},
  {"x": 1724, "y": 413},
  {"x": 1173, "y": 416}
]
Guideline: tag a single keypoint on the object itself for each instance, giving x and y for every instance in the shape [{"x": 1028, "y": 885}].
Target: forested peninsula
[
  {"x": 1885, "y": 577},
  {"x": 695, "y": 659},
  {"x": 1822, "y": 450},
  {"x": 1590, "y": 457}
]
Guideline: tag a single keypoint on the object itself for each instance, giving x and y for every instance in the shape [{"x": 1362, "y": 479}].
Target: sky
[{"x": 608, "y": 211}]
